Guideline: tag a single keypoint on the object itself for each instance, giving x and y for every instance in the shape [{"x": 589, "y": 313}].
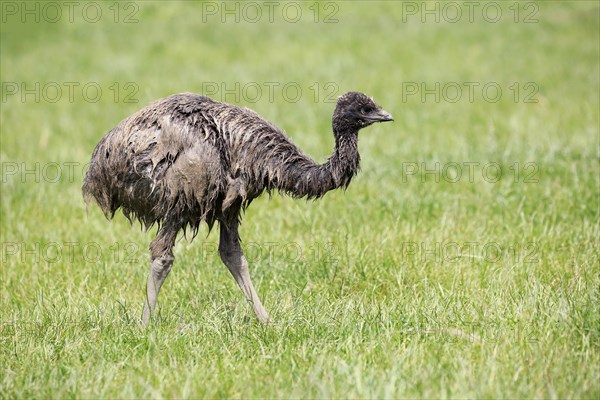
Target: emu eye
[{"x": 367, "y": 110}]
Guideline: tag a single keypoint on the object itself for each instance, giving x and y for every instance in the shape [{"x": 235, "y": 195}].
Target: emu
[{"x": 187, "y": 158}]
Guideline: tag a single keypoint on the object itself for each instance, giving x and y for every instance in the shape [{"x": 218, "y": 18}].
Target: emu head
[{"x": 355, "y": 111}]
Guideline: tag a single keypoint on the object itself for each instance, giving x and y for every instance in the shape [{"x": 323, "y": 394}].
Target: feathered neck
[{"x": 304, "y": 178}]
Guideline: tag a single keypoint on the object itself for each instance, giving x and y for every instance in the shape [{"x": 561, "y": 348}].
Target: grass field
[{"x": 462, "y": 262}]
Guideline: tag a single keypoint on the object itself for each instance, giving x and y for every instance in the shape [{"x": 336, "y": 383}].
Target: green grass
[{"x": 403, "y": 286}]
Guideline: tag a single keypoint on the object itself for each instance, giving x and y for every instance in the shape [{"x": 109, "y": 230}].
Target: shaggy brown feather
[{"x": 187, "y": 158}]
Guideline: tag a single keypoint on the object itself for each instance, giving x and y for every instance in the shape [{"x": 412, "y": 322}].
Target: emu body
[{"x": 187, "y": 158}]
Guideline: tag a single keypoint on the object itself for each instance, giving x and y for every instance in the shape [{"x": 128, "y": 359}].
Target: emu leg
[
  {"x": 161, "y": 262},
  {"x": 232, "y": 256}
]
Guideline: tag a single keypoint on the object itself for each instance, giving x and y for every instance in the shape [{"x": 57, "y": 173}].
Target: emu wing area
[{"x": 162, "y": 165}]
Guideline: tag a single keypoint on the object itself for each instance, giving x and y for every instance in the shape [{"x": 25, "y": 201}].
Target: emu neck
[
  {"x": 345, "y": 160},
  {"x": 307, "y": 179}
]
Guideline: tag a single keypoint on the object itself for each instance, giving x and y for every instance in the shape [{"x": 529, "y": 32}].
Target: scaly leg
[
  {"x": 161, "y": 250},
  {"x": 233, "y": 257}
]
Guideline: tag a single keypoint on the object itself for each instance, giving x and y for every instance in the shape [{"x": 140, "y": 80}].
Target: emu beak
[{"x": 381, "y": 116}]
